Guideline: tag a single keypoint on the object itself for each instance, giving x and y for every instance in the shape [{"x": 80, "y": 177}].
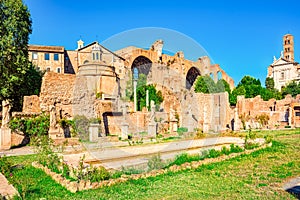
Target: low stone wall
[{"x": 74, "y": 186}]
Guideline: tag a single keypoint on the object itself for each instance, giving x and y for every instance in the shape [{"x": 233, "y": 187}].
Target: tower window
[
  {"x": 289, "y": 42},
  {"x": 282, "y": 75}
]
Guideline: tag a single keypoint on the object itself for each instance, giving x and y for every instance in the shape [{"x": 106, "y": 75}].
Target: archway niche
[
  {"x": 142, "y": 64},
  {"x": 219, "y": 74},
  {"x": 191, "y": 77}
]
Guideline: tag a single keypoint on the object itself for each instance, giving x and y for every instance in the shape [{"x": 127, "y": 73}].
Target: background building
[
  {"x": 284, "y": 69},
  {"x": 48, "y": 58}
]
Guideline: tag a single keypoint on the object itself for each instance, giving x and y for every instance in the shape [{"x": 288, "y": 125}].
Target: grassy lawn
[{"x": 259, "y": 175}]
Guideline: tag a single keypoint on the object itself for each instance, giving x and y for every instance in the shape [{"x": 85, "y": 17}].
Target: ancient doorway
[{"x": 191, "y": 77}]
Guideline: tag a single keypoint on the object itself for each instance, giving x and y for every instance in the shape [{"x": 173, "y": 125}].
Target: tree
[
  {"x": 269, "y": 83},
  {"x": 292, "y": 88},
  {"x": 236, "y": 92},
  {"x": 142, "y": 87},
  {"x": 223, "y": 86},
  {"x": 252, "y": 86},
  {"x": 15, "y": 27},
  {"x": 31, "y": 85},
  {"x": 205, "y": 84}
]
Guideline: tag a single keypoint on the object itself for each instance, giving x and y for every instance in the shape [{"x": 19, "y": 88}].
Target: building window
[
  {"x": 34, "y": 56},
  {"x": 97, "y": 56},
  {"x": 48, "y": 69},
  {"x": 47, "y": 56},
  {"x": 56, "y": 56},
  {"x": 282, "y": 75},
  {"x": 289, "y": 42},
  {"x": 58, "y": 70},
  {"x": 93, "y": 56}
]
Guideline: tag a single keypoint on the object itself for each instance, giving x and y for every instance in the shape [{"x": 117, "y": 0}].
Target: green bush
[
  {"x": 182, "y": 130},
  {"x": 250, "y": 145},
  {"x": 32, "y": 127},
  {"x": 268, "y": 139},
  {"x": 212, "y": 153},
  {"x": 155, "y": 162},
  {"x": 200, "y": 134},
  {"x": 131, "y": 170},
  {"x": 183, "y": 158},
  {"x": 235, "y": 148},
  {"x": 81, "y": 126},
  {"x": 225, "y": 151},
  {"x": 97, "y": 174}
]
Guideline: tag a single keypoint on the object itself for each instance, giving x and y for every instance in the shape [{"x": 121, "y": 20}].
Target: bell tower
[{"x": 288, "y": 47}]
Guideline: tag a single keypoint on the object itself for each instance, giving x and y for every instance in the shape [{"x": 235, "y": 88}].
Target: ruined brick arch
[
  {"x": 142, "y": 64},
  {"x": 191, "y": 77}
]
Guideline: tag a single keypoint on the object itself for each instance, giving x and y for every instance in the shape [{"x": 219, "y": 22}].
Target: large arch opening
[
  {"x": 142, "y": 64},
  {"x": 191, "y": 77}
]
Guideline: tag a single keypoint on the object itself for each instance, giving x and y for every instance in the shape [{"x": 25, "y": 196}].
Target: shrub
[
  {"x": 155, "y": 162},
  {"x": 131, "y": 170},
  {"x": 67, "y": 124},
  {"x": 97, "y": 174},
  {"x": 200, "y": 134},
  {"x": 183, "y": 158},
  {"x": 32, "y": 127},
  {"x": 251, "y": 145},
  {"x": 182, "y": 130},
  {"x": 212, "y": 153},
  {"x": 81, "y": 126},
  {"x": 268, "y": 139},
  {"x": 262, "y": 119},
  {"x": 235, "y": 148},
  {"x": 225, "y": 151}
]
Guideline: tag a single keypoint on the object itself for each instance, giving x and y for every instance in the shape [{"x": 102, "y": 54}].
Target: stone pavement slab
[{"x": 6, "y": 189}]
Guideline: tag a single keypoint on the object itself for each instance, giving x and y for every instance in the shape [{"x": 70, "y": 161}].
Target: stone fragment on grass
[{"x": 73, "y": 187}]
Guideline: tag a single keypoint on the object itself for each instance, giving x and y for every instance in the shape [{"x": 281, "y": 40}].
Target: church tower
[{"x": 288, "y": 47}]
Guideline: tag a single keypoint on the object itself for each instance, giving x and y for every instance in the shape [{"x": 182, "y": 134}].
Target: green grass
[{"x": 259, "y": 175}]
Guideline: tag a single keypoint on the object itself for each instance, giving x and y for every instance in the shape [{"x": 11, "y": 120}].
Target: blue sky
[{"x": 241, "y": 36}]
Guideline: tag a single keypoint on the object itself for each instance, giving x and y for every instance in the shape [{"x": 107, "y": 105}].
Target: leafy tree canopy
[{"x": 15, "y": 27}]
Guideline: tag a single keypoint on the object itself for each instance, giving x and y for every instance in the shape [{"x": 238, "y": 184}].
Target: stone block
[
  {"x": 94, "y": 132},
  {"x": 152, "y": 130},
  {"x": 5, "y": 138},
  {"x": 124, "y": 131}
]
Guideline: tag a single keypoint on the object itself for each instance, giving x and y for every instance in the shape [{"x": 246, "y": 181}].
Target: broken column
[
  {"x": 124, "y": 124},
  {"x": 5, "y": 131},
  {"x": 53, "y": 130},
  {"x": 173, "y": 121},
  {"x": 152, "y": 123}
]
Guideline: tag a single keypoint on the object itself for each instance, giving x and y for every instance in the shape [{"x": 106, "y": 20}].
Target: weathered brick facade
[{"x": 281, "y": 112}]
